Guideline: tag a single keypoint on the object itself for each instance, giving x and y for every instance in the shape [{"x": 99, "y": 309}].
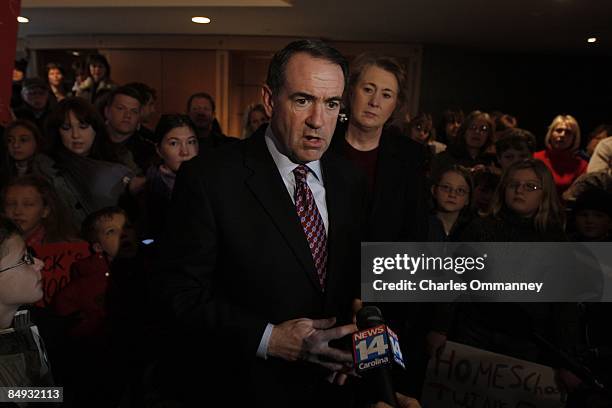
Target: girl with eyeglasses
[
  {"x": 451, "y": 194},
  {"x": 524, "y": 208},
  {"x": 20, "y": 284}
]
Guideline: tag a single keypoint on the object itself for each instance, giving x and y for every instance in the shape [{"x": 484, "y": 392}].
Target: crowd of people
[{"x": 193, "y": 240}]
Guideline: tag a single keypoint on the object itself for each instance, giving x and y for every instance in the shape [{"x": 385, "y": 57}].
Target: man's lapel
[
  {"x": 267, "y": 185},
  {"x": 338, "y": 204}
]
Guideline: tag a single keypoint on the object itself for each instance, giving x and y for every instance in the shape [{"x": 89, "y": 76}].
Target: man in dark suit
[{"x": 260, "y": 264}]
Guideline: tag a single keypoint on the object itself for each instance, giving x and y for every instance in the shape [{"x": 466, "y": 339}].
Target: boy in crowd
[
  {"x": 514, "y": 145},
  {"x": 110, "y": 235},
  {"x": 593, "y": 216},
  {"x": 23, "y": 360},
  {"x": 93, "y": 366}
]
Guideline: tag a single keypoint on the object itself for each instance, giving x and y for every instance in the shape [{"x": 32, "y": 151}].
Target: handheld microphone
[{"x": 375, "y": 350}]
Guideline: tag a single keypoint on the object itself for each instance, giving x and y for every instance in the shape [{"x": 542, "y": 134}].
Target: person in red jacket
[
  {"x": 560, "y": 156},
  {"x": 110, "y": 235},
  {"x": 92, "y": 370}
]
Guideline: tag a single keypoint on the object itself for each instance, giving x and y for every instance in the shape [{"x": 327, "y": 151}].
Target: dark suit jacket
[
  {"x": 397, "y": 208},
  {"x": 235, "y": 258}
]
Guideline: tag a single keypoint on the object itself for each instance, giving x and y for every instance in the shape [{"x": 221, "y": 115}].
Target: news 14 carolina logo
[{"x": 376, "y": 347}]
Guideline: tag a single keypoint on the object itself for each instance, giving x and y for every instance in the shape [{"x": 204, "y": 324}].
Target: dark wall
[{"x": 533, "y": 87}]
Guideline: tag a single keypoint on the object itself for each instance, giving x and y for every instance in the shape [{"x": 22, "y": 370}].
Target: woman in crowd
[
  {"x": 98, "y": 81},
  {"x": 86, "y": 174},
  {"x": 470, "y": 147},
  {"x": 31, "y": 203},
  {"x": 392, "y": 163},
  {"x": 176, "y": 142},
  {"x": 451, "y": 193},
  {"x": 560, "y": 156},
  {"x": 55, "y": 78},
  {"x": 255, "y": 117}
]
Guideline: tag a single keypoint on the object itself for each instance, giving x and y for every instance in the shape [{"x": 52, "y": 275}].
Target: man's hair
[
  {"x": 8, "y": 229},
  {"x": 201, "y": 95},
  {"x": 89, "y": 227},
  {"x": 127, "y": 91},
  {"x": 144, "y": 90},
  {"x": 315, "y": 48}
]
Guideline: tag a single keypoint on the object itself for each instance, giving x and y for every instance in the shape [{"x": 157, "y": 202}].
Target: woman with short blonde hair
[{"x": 561, "y": 154}]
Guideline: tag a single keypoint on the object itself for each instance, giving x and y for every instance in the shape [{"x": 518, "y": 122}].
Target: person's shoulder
[
  {"x": 401, "y": 145},
  {"x": 214, "y": 162}
]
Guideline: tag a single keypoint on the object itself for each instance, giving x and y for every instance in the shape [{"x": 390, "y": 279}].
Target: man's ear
[{"x": 268, "y": 100}]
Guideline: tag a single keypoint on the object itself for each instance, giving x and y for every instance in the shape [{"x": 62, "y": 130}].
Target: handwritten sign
[
  {"x": 468, "y": 377},
  {"x": 58, "y": 257}
]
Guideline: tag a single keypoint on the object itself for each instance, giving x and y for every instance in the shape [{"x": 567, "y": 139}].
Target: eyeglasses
[
  {"x": 460, "y": 191},
  {"x": 27, "y": 259},
  {"x": 528, "y": 187},
  {"x": 481, "y": 129}
]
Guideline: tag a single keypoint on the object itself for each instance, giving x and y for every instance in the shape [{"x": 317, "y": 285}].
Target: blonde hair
[
  {"x": 549, "y": 215},
  {"x": 572, "y": 123}
]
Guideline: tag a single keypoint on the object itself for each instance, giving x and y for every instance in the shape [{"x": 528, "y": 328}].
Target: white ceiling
[{"x": 518, "y": 25}]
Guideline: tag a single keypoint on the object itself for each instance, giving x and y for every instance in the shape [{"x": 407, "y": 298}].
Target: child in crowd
[
  {"x": 31, "y": 203},
  {"x": 514, "y": 145},
  {"x": 23, "y": 141},
  {"x": 593, "y": 216},
  {"x": 23, "y": 360},
  {"x": 92, "y": 364},
  {"x": 451, "y": 195},
  {"x": 110, "y": 235},
  {"x": 421, "y": 130},
  {"x": 525, "y": 207},
  {"x": 485, "y": 183}
]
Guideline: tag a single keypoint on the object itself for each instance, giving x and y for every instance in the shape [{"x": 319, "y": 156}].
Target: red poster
[
  {"x": 58, "y": 258},
  {"x": 9, "y": 10}
]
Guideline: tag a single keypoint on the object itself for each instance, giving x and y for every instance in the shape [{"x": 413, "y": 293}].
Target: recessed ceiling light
[
  {"x": 200, "y": 20},
  {"x": 23, "y": 19},
  {"x": 592, "y": 40}
]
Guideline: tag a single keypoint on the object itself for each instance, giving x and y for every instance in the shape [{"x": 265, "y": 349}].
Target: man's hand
[
  {"x": 402, "y": 400},
  {"x": 306, "y": 339}
]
